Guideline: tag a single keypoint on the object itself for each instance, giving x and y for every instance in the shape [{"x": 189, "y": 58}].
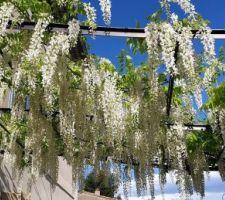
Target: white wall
[{"x": 41, "y": 188}]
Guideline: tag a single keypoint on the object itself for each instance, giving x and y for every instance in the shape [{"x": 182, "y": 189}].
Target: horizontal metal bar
[
  {"x": 114, "y": 34},
  {"x": 104, "y": 31},
  {"x": 188, "y": 128},
  {"x": 191, "y": 127}
]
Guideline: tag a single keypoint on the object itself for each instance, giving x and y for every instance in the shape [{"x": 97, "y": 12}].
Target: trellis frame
[{"x": 103, "y": 30}]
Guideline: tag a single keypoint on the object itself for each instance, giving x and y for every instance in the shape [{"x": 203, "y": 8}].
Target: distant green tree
[{"x": 106, "y": 183}]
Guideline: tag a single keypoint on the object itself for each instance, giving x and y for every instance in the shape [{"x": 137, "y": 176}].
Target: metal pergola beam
[
  {"x": 191, "y": 127},
  {"x": 103, "y": 31}
]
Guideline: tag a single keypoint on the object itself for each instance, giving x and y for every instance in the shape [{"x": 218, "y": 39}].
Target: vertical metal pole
[{"x": 171, "y": 84}]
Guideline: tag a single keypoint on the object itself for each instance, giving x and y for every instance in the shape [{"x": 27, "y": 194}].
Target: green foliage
[
  {"x": 195, "y": 24},
  {"x": 133, "y": 78},
  {"x": 106, "y": 65},
  {"x": 35, "y": 9},
  {"x": 177, "y": 92},
  {"x": 156, "y": 16},
  {"x": 20, "y": 126},
  {"x": 75, "y": 68},
  {"x": 137, "y": 44},
  {"x": 4, "y": 120},
  {"x": 207, "y": 141},
  {"x": 221, "y": 56},
  {"x": 216, "y": 97}
]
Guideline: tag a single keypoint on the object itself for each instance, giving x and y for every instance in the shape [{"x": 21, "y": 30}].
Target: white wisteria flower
[
  {"x": 174, "y": 18},
  {"x": 135, "y": 106},
  {"x": 152, "y": 40},
  {"x": 91, "y": 77},
  {"x": 186, "y": 51},
  {"x": 164, "y": 36},
  {"x": 112, "y": 105},
  {"x": 167, "y": 38},
  {"x": 138, "y": 136},
  {"x": 198, "y": 96},
  {"x": 7, "y": 12},
  {"x": 74, "y": 30},
  {"x": 91, "y": 15},
  {"x": 208, "y": 42},
  {"x": 59, "y": 43},
  {"x": 187, "y": 6},
  {"x": 106, "y": 10},
  {"x": 67, "y": 129},
  {"x": 212, "y": 117},
  {"x": 36, "y": 45}
]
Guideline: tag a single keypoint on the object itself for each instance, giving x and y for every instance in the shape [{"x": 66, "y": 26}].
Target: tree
[{"x": 106, "y": 183}]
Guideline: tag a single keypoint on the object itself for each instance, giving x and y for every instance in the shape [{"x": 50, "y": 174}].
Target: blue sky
[{"x": 125, "y": 13}]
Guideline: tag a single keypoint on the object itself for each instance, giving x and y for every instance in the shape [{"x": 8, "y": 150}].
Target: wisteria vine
[{"x": 84, "y": 109}]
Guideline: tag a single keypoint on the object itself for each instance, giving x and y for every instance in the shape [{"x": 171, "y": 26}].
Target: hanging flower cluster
[
  {"x": 164, "y": 39},
  {"x": 7, "y": 12},
  {"x": 204, "y": 34},
  {"x": 59, "y": 43},
  {"x": 174, "y": 19},
  {"x": 152, "y": 40},
  {"x": 36, "y": 45},
  {"x": 106, "y": 10},
  {"x": 172, "y": 45},
  {"x": 186, "y": 52},
  {"x": 173, "y": 41},
  {"x": 187, "y": 6},
  {"x": 208, "y": 42},
  {"x": 168, "y": 45},
  {"x": 110, "y": 99},
  {"x": 112, "y": 106},
  {"x": 91, "y": 15},
  {"x": 74, "y": 30},
  {"x": 41, "y": 142},
  {"x": 91, "y": 77}
]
